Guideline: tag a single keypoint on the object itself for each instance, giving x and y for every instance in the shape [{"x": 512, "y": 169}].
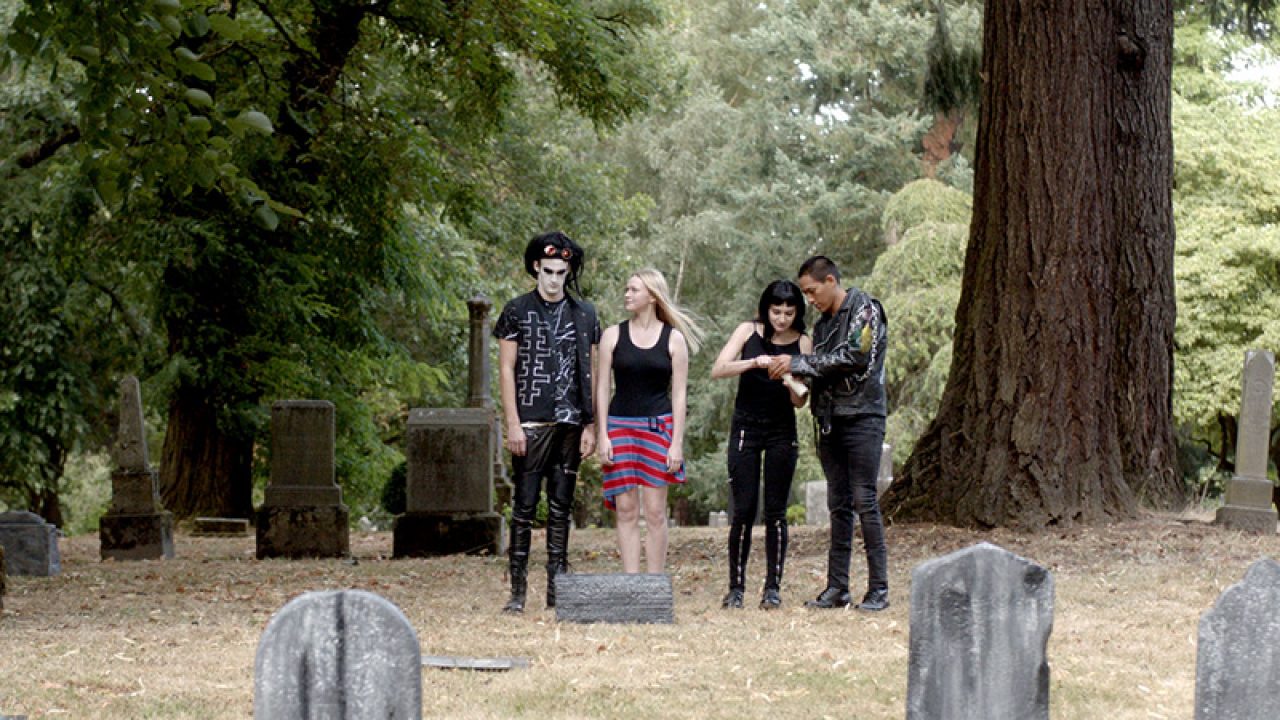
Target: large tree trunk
[
  {"x": 1058, "y": 405},
  {"x": 204, "y": 470}
]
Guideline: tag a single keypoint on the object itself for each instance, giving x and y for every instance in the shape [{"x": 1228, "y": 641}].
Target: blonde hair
[{"x": 667, "y": 311}]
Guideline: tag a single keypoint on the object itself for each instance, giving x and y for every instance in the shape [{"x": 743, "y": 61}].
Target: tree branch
[{"x": 35, "y": 156}]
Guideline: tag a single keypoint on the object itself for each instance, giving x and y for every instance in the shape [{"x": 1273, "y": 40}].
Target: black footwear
[
  {"x": 770, "y": 600},
  {"x": 732, "y": 601},
  {"x": 830, "y": 598},
  {"x": 555, "y": 568},
  {"x": 516, "y": 603},
  {"x": 875, "y": 600}
]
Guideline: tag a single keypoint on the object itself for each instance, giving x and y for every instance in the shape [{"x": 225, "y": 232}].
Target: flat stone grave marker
[
  {"x": 30, "y": 544},
  {"x": 614, "y": 598},
  {"x": 220, "y": 527},
  {"x": 452, "y": 662},
  {"x": 1238, "y": 654},
  {"x": 980, "y": 624},
  {"x": 338, "y": 655}
]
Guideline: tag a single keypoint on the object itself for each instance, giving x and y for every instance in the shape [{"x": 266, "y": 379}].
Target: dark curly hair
[{"x": 558, "y": 246}]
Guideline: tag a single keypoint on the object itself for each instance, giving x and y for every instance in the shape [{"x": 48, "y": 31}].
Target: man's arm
[
  {"x": 507, "y": 351},
  {"x": 851, "y": 357}
]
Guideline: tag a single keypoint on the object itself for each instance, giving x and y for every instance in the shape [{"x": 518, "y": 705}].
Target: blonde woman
[{"x": 642, "y": 443}]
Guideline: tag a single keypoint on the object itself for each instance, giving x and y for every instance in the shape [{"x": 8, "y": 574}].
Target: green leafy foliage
[{"x": 1227, "y": 205}]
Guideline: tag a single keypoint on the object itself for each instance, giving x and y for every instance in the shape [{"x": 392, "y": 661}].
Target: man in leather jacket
[
  {"x": 846, "y": 372},
  {"x": 546, "y": 351}
]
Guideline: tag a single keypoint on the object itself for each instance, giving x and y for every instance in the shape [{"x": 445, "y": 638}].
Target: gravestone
[
  {"x": 336, "y": 655},
  {"x": 614, "y": 598},
  {"x": 884, "y": 478},
  {"x": 718, "y": 519},
  {"x": 302, "y": 514},
  {"x": 1248, "y": 502},
  {"x": 816, "y": 511},
  {"x": 1, "y": 578},
  {"x": 815, "y": 503},
  {"x": 135, "y": 527},
  {"x": 220, "y": 527},
  {"x": 30, "y": 544},
  {"x": 980, "y": 624},
  {"x": 448, "y": 486},
  {"x": 455, "y": 467},
  {"x": 1238, "y": 655}
]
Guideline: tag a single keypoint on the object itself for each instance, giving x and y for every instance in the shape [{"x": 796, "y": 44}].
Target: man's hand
[
  {"x": 588, "y": 443},
  {"x": 780, "y": 365},
  {"x": 516, "y": 440}
]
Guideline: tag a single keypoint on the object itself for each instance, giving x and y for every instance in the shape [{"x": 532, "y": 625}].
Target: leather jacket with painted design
[{"x": 846, "y": 367}]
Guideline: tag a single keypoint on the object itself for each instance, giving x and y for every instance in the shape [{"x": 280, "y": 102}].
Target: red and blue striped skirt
[{"x": 640, "y": 446}]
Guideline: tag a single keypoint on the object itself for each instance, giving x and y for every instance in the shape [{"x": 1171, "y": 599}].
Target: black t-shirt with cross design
[{"x": 546, "y": 337}]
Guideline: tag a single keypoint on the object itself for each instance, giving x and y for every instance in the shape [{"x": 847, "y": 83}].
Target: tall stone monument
[
  {"x": 453, "y": 464},
  {"x": 336, "y": 655},
  {"x": 980, "y": 624},
  {"x": 135, "y": 527},
  {"x": 1248, "y": 501},
  {"x": 302, "y": 514}
]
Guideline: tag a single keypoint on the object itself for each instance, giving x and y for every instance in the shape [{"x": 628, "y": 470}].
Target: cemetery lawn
[{"x": 176, "y": 639}]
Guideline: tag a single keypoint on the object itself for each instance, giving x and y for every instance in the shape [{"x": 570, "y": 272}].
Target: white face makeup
[
  {"x": 781, "y": 317},
  {"x": 552, "y": 274}
]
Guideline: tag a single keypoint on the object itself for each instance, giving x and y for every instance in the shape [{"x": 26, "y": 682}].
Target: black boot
[
  {"x": 739, "y": 551},
  {"x": 557, "y": 548},
  {"x": 518, "y": 564},
  {"x": 775, "y": 552},
  {"x": 515, "y": 604}
]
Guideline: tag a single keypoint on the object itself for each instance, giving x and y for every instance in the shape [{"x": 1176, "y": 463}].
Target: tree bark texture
[
  {"x": 204, "y": 471},
  {"x": 1058, "y": 407}
]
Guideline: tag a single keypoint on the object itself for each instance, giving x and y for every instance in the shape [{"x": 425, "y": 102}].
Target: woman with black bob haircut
[{"x": 763, "y": 434}]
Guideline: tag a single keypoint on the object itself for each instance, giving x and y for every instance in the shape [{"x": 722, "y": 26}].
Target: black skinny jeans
[
  {"x": 748, "y": 445},
  {"x": 553, "y": 452},
  {"x": 850, "y": 456}
]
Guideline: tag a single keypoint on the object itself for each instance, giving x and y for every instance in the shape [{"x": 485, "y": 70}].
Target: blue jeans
[{"x": 850, "y": 456}]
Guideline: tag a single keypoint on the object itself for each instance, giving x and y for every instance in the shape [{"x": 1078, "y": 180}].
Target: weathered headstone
[
  {"x": 455, "y": 466},
  {"x": 30, "y": 544},
  {"x": 135, "y": 527},
  {"x": 884, "y": 478},
  {"x": 718, "y": 519},
  {"x": 1238, "y": 655},
  {"x": 1248, "y": 501},
  {"x": 816, "y": 511},
  {"x": 815, "y": 503},
  {"x": 614, "y": 598},
  {"x": 220, "y": 527},
  {"x": 448, "y": 488},
  {"x": 302, "y": 514},
  {"x": 338, "y": 655},
  {"x": 980, "y": 624}
]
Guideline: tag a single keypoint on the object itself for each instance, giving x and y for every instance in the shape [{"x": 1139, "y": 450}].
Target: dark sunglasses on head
[{"x": 551, "y": 251}]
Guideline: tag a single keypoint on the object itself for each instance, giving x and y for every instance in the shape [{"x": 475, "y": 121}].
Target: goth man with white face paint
[{"x": 546, "y": 351}]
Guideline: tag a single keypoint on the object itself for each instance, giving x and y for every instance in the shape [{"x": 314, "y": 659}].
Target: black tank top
[
  {"x": 641, "y": 377},
  {"x": 762, "y": 401}
]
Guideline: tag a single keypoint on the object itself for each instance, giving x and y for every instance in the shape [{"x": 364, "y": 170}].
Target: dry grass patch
[{"x": 176, "y": 639}]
